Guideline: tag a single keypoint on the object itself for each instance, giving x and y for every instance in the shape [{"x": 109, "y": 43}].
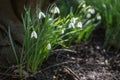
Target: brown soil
[{"x": 89, "y": 61}]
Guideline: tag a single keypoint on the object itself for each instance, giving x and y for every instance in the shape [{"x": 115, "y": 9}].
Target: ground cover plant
[
  {"x": 110, "y": 13},
  {"x": 45, "y": 31},
  {"x": 68, "y": 46}
]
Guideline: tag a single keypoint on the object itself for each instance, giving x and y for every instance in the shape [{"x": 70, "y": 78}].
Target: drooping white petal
[
  {"x": 50, "y": 19},
  {"x": 63, "y": 31},
  {"x": 73, "y": 20},
  {"x": 84, "y": 5},
  {"x": 79, "y": 24},
  {"x": 91, "y": 10},
  {"x": 34, "y": 35},
  {"x": 88, "y": 15},
  {"x": 41, "y": 14},
  {"x": 55, "y": 10},
  {"x": 71, "y": 25},
  {"x": 49, "y": 46}
]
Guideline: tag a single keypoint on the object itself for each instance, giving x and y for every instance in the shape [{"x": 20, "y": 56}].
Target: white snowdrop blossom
[
  {"x": 91, "y": 10},
  {"x": 34, "y": 35},
  {"x": 50, "y": 19},
  {"x": 49, "y": 46},
  {"x": 84, "y": 5},
  {"x": 71, "y": 25},
  {"x": 63, "y": 31},
  {"x": 73, "y": 20},
  {"x": 79, "y": 24},
  {"x": 41, "y": 14},
  {"x": 55, "y": 10},
  {"x": 88, "y": 15},
  {"x": 99, "y": 17}
]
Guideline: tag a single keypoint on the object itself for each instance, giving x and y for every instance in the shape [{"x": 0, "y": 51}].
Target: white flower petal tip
[
  {"x": 34, "y": 35},
  {"x": 41, "y": 15},
  {"x": 79, "y": 25},
  {"x": 88, "y": 15},
  {"x": 49, "y": 46},
  {"x": 99, "y": 17},
  {"x": 63, "y": 31},
  {"x": 55, "y": 10}
]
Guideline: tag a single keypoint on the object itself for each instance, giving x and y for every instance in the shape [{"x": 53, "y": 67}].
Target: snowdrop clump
[
  {"x": 45, "y": 28},
  {"x": 90, "y": 12},
  {"x": 74, "y": 22},
  {"x": 88, "y": 15},
  {"x": 57, "y": 30}
]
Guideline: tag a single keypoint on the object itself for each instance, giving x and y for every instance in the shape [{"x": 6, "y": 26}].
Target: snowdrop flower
[
  {"x": 63, "y": 31},
  {"x": 55, "y": 10},
  {"x": 50, "y": 19},
  {"x": 88, "y": 15},
  {"x": 41, "y": 14},
  {"x": 79, "y": 24},
  {"x": 49, "y": 46},
  {"x": 71, "y": 25},
  {"x": 98, "y": 17},
  {"x": 73, "y": 20},
  {"x": 34, "y": 35},
  {"x": 84, "y": 5},
  {"x": 91, "y": 10}
]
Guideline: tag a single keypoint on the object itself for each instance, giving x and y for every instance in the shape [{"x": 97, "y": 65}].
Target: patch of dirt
[{"x": 89, "y": 61}]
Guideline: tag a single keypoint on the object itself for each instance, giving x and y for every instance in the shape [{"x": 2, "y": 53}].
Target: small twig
[
  {"x": 56, "y": 65},
  {"x": 8, "y": 70},
  {"x": 64, "y": 50},
  {"x": 72, "y": 72},
  {"x": 5, "y": 74}
]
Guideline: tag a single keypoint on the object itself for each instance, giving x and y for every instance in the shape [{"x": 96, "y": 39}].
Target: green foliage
[
  {"x": 44, "y": 31},
  {"x": 12, "y": 45},
  {"x": 110, "y": 12},
  {"x": 85, "y": 20},
  {"x": 65, "y": 6},
  {"x": 41, "y": 34}
]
